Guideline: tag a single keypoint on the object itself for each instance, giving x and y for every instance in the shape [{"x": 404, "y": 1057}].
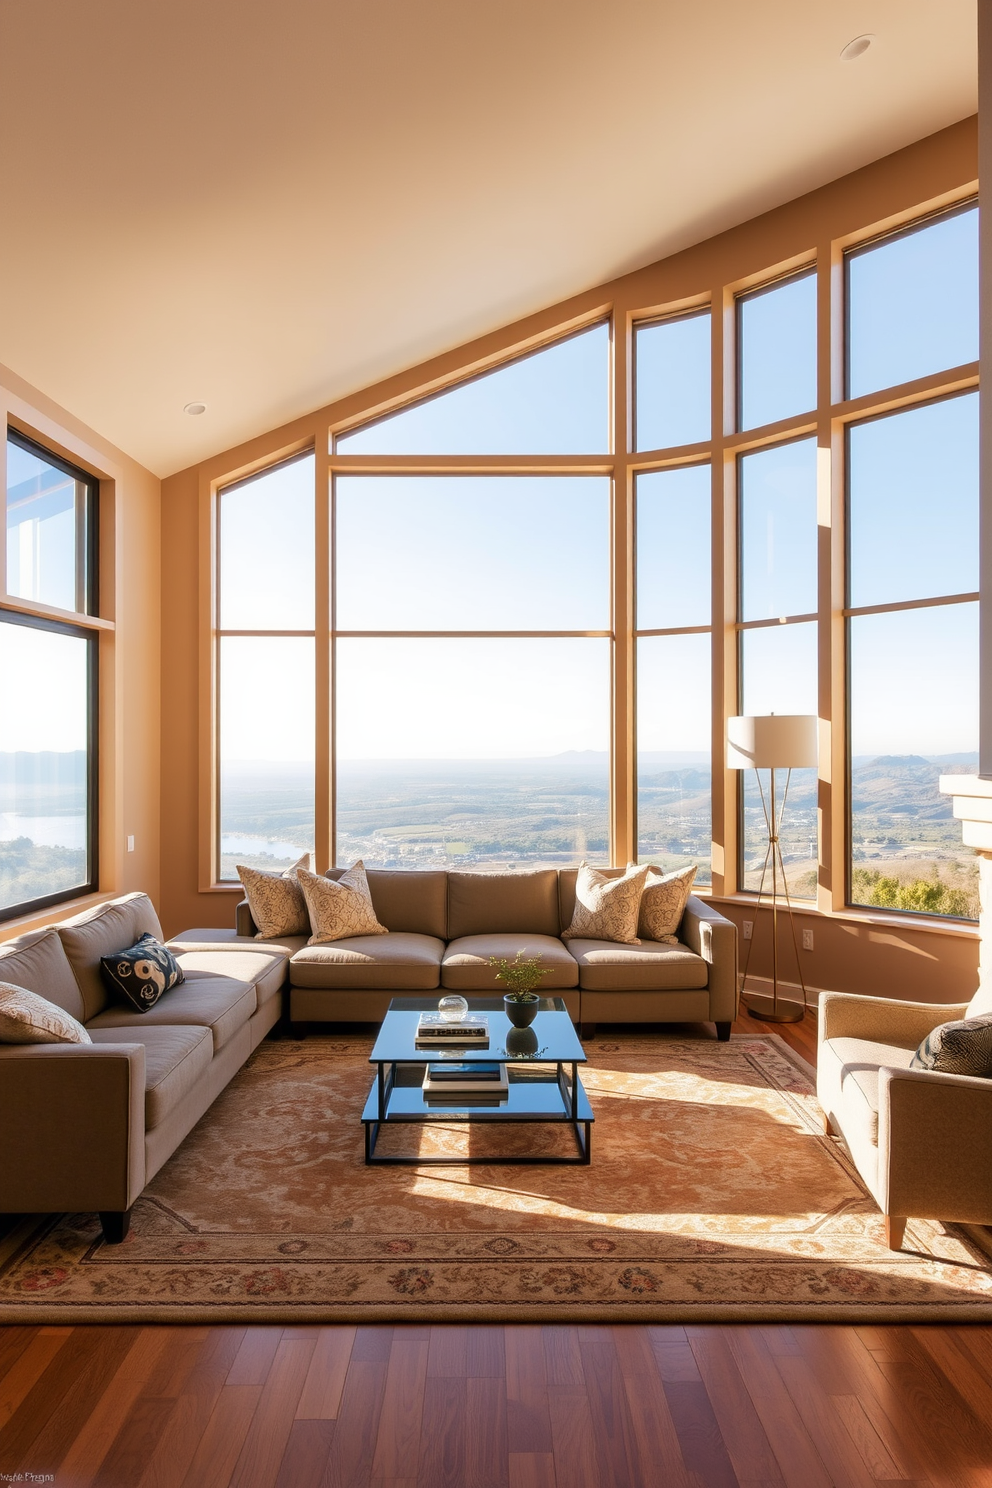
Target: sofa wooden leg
[
  {"x": 895, "y": 1228},
  {"x": 587, "y": 1031},
  {"x": 116, "y": 1224},
  {"x": 723, "y": 1032}
]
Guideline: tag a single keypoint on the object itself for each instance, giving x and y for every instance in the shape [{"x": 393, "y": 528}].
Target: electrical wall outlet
[
  {"x": 130, "y": 844},
  {"x": 748, "y": 929},
  {"x": 807, "y": 940}
]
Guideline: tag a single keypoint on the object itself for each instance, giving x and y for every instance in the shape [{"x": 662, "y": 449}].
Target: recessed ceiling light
[
  {"x": 195, "y": 408},
  {"x": 856, "y": 48}
]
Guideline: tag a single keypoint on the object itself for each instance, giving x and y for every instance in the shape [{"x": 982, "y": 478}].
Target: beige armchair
[{"x": 921, "y": 1141}]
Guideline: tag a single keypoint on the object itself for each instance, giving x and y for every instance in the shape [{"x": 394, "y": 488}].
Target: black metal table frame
[{"x": 581, "y": 1127}]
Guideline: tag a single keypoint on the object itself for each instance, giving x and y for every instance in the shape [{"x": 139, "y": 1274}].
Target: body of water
[{"x": 44, "y": 831}]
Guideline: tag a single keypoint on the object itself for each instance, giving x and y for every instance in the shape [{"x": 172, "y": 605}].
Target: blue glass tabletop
[{"x": 551, "y": 1037}]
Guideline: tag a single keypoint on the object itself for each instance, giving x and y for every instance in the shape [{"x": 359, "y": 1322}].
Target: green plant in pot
[{"x": 521, "y": 977}]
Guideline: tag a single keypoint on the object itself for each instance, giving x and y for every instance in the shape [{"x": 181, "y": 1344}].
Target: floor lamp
[{"x": 778, "y": 741}]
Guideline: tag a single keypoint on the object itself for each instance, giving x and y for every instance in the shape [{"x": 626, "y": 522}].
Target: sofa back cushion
[
  {"x": 566, "y": 892},
  {"x": 38, "y": 962},
  {"x": 503, "y": 903},
  {"x": 412, "y": 900},
  {"x": 100, "y": 932}
]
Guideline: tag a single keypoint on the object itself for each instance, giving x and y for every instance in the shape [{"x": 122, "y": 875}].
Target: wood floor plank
[
  {"x": 485, "y": 1354},
  {"x": 255, "y": 1356},
  {"x": 486, "y": 1454},
  {"x": 448, "y": 1358},
  {"x": 122, "y": 1397},
  {"x": 945, "y": 1428},
  {"x": 572, "y": 1435},
  {"x": 863, "y": 1432},
  {"x": 528, "y": 1420},
  {"x": 397, "y": 1445},
  {"x": 824, "y": 1424},
  {"x": 532, "y": 1470},
  {"x": 357, "y": 1425},
  {"x": 748, "y": 1446},
  {"x": 220, "y": 1445},
  {"x": 700, "y": 1438},
  {"x": 264, "y": 1446},
  {"x": 192, "y": 1410},
  {"x": 444, "y": 1437},
  {"x": 24, "y": 1372},
  {"x": 325, "y": 1379},
  {"x": 48, "y": 1419},
  {"x": 372, "y": 1345},
  {"x": 608, "y": 1412},
  {"x": 135, "y": 1442},
  {"x": 957, "y": 1369},
  {"x": 845, "y": 1366},
  {"x": 14, "y": 1343},
  {"x": 184, "y": 1347},
  {"x": 798, "y": 1460},
  {"x": 655, "y": 1448},
  {"x": 677, "y": 1363},
  {"x": 308, "y": 1450},
  {"x": 562, "y": 1358}
]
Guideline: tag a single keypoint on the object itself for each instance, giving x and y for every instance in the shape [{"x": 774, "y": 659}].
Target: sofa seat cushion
[
  {"x": 466, "y": 968},
  {"x": 606, "y": 966},
  {"x": 251, "y": 961},
  {"x": 860, "y": 1061},
  {"x": 203, "y": 1000},
  {"x": 400, "y": 961},
  {"x": 175, "y": 1060}
]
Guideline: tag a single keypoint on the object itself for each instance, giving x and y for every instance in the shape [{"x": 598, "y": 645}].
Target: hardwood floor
[{"x": 499, "y": 1407}]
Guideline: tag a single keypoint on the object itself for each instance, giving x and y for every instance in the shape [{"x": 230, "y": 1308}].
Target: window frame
[
  {"x": 92, "y": 641},
  {"x": 87, "y": 552}
]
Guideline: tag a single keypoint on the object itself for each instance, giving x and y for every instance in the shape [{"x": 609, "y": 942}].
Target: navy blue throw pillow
[{"x": 142, "y": 973}]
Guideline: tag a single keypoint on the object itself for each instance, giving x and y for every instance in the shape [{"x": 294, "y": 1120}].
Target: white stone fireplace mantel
[{"x": 972, "y": 799}]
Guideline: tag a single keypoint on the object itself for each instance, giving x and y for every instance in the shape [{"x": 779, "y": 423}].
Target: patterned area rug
[{"x": 712, "y": 1195}]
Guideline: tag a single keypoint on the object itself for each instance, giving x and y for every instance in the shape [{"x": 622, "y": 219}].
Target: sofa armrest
[
  {"x": 883, "y": 1020},
  {"x": 72, "y": 1127},
  {"x": 711, "y": 935},
  {"x": 243, "y": 922},
  {"x": 935, "y": 1145}
]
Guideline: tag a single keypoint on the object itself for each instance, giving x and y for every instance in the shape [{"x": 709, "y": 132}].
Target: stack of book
[
  {"x": 434, "y": 1032},
  {"x": 475, "y": 1083}
]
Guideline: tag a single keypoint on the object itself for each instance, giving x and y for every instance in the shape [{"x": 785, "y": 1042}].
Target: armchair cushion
[
  {"x": 963, "y": 1047},
  {"x": 859, "y": 1062}
]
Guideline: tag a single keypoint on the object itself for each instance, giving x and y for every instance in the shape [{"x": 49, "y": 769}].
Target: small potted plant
[{"x": 520, "y": 977}]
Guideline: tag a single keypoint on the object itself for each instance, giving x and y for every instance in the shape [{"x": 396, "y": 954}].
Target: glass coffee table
[{"x": 542, "y": 1072}]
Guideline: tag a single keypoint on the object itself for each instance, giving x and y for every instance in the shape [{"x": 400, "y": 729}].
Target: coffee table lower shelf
[{"x": 396, "y": 1098}]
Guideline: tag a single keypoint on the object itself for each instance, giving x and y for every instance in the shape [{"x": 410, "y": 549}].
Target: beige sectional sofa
[
  {"x": 86, "y": 1126},
  {"x": 444, "y": 926}
]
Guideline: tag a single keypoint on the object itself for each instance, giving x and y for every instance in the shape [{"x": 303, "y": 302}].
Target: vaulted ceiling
[{"x": 265, "y": 206}]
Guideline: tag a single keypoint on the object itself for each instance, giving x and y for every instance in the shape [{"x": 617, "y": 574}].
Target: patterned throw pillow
[
  {"x": 276, "y": 900},
  {"x": 26, "y": 1018},
  {"x": 142, "y": 973},
  {"x": 339, "y": 908},
  {"x": 963, "y": 1047},
  {"x": 607, "y": 908},
  {"x": 663, "y": 904}
]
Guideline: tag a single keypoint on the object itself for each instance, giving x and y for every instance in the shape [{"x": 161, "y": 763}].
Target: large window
[
  {"x": 48, "y": 807},
  {"x": 266, "y": 651},
  {"x": 514, "y": 614}
]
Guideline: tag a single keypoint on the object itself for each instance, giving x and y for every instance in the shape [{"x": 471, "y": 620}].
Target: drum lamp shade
[{"x": 772, "y": 741}]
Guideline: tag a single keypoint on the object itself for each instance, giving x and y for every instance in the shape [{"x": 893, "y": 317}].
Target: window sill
[{"x": 851, "y": 914}]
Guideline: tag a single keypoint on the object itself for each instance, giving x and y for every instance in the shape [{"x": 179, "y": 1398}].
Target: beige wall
[
  {"x": 130, "y": 651},
  {"x": 853, "y": 950}
]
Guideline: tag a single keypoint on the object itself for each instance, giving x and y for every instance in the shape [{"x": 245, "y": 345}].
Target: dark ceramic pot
[{"x": 521, "y": 1014}]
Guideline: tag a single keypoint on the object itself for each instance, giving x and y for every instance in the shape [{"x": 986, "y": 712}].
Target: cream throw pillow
[
  {"x": 276, "y": 900},
  {"x": 663, "y": 904},
  {"x": 26, "y": 1018},
  {"x": 339, "y": 908},
  {"x": 607, "y": 908}
]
